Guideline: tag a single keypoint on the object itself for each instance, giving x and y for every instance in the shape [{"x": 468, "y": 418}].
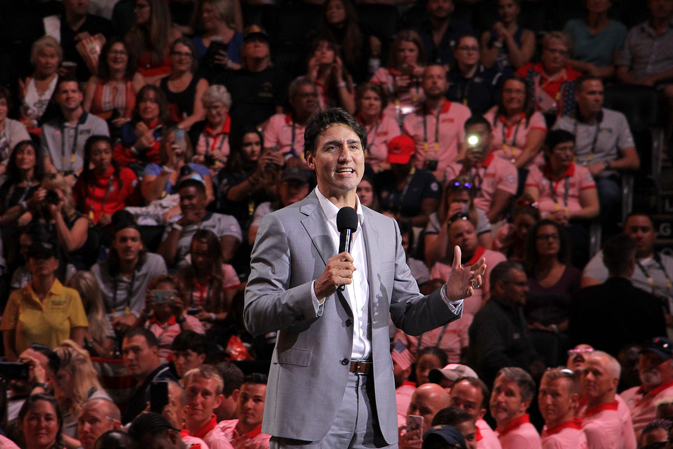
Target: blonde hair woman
[{"x": 99, "y": 339}]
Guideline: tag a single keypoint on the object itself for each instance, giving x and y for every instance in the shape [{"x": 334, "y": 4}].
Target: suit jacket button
[
  {"x": 300, "y": 317},
  {"x": 349, "y": 322},
  {"x": 344, "y": 362}
]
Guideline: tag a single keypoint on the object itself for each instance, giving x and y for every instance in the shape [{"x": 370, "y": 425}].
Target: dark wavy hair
[
  {"x": 528, "y": 102},
  {"x": 13, "y": 176},
  {"x": 323, "y": 120},
  {"x": 162, "y": 102},
  {"x": 32, "y": 400},
  {"x": 533, "y": 258},
  {"x": 376, "y": 88},
  {"x": 235, "y": 163},
  {"x": 104, "y": 69},
  {"x": 351, "y": 44}
]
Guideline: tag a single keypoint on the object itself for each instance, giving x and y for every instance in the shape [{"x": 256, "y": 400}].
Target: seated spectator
[
  {"x": 557, "y": 399},
  {"x": 211, "y": 136},
  {"x": 655, "y": 369},
  {"x": 419, "y": 270},
  {"x": 600, "y": 315},
  {"x": 164, "y": 314},
  {"x": 470, "y": 83},
  {"x": 65, "y": 131},
  {"x": 175, "y": 152},
  {"x": 428, "y": 359},
  {"x": 654, "y": 269},
  {"x": 111, "y": 93},
  {"x": 249, "y": 177},
  {"x": 461, "y": 420},
  {"x": 246, "y": 429},
  {"x": 577, "y": 358},
  {"x": 150, "y": 429},
  {"x": 406, "y": 193},
  {"x": 41, "y": 422},
  {"x": 507, "y": 46},
  {"x": 655, "y": 434},
  {"x": 183, "y": 87},
  {"x": 37, "y": 91},
  {"x": 552, "y": 281},
  {"x": 457, "y": 197},
  {"x": 427, "y": 400},
  {"x": 104, "y": 187},
  {"x": 258, "y": 90},
  {"x": 471, "y": 395},
  {"x": 189, "y": 351},
  {"x": 204, "y": 394},
  {"x": 216, "y": 18},
  {"x": 141, "y": 137},
  {"x": 60, "y": 315},
  {"x": 76, "y": 381},
  {"x": 99, "y": 338},
  {"x": 603, "y": 143},
  {"x": 518, "y": 130},
  {"x": 498, "y": 334},
  {"x": 552, "y": 79},
  {"x": 325, "y": 67},
  {"x": 366, "y": 194},
  {"x": 11, "y": 131},
  {"x": 511, "y": 238},
  {"x": 140, "y": 351},
  {"x": 494, "y": 179},
  {"x": 444, "y": 436},
  {"x": 426, "y": 127},
  {"x": 439, "y": 33},
  {"x": 97, "y": 416},
  {"x": 233, "y": 379},
  {"x": 565, "y": 192},
  {"x": 597, "y": 40},
  {"x": 292, "y": 188},
  {"x": 114, "y": 439},
  {"x": 123, "y": 278},
  {"x": 461, "y": 232},
  {"x": 513, "y": 392},
  {"x": 401, "y": 80},
  {"x": 381, "y": 128},
  {"x": 151, "y": 37},
  {"x": 607, "y": 422},
  {"x": 285, "y": 132},
  {"x": 211, "y": 283}
]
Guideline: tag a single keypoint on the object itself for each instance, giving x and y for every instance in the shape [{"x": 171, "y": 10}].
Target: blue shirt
[{"x": 596, "y": 49}]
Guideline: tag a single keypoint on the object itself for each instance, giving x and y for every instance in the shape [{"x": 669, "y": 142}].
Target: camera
[
  {"x": 52, "y": 197},
  {"x": 14, "y": 371}
]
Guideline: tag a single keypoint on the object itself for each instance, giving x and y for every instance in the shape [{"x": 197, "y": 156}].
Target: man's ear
[
  {"x": 309, "y": 160},
  {"x": 481, "y": 414}
]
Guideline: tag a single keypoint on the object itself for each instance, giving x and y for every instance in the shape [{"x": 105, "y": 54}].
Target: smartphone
[
  {"x": 158, "y": 396},
  {"x": 214, "y": 50},
  {"x": 415, "y": 422},
  {"x": 192, "y": 311},
  {"x": 163, "y": 296},
  {"x": 407, "y": 70},
  {"x": 14, "y": 371},
  {"x": 179, "y": 136}
]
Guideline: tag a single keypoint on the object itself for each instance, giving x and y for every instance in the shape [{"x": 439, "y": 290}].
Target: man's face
[
  {"x": 467, "y": 397},
  {"x": 255, "y": 47},
  {"x": 506, "y": 402},
  {"x": 41, "y": 265},
  {"x": 555, "y": 400},
  {"x": 339, "y": 161},
  {"x": 469, "y": 431},
  {"x": 192, "y": 200},
  {"x": 69, "y": 97},
  {"x": 305, "y": 101},
  {"x": 201, "y": 399},
  {"x": 94, "y": 420},
  {"x": 140, "y": 359},
  {"x": 515, "y": 291},
  {"x": 440, "y": 9},
  {"x": 186, "y": 360},
  {"x": 661, "y": 9},
  {"x": 467, "y": 51},
  {"x": 250, "y": 410},
  {"x": 590, "y": 98},
  {"x": 426, "y": 403},
  {"x": 477, "y": 151},
  {"x": 514, "y": 95},
  {"x": 292, "y": 191},
  {"x": 227, "y": 410},
  {"x": 596, "y": 380},
  {"x": 578, "y": 356},
  {"x": 463, "y": 234},
  {"x": 641, "y": 230},
  {"x": 434, "y": 82},
  {"x": 128, "y": 244},
  {"x": 24, "y": 387},
  {"x": 654, "y": 370},
  {"x": 79, "y": 7}
]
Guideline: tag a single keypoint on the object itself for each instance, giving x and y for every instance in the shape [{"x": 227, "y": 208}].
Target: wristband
[
  {"x": 43, "y": 385},
  {"x": 342, "y": 84},
  {"x": 181, "y": 320},
  {"x": 176, "y": 227},
  {"x": 23, "y": 206},
  {"x": 497, "y": 44},
  {"x": 213, "y": 318},
  {"x": 166, "y": 169}
]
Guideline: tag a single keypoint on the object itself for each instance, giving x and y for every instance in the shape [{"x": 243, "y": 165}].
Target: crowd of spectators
[{"x": 142, "y": 143}]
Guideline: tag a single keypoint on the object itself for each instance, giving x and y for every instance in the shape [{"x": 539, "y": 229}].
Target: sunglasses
[{"x": 457, "y": 217}]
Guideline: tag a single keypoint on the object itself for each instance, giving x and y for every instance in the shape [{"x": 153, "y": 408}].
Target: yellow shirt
[{"x": 49, "y": 321}]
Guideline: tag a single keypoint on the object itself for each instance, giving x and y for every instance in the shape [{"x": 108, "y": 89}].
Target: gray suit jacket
[{"x": 311, "y": 360}]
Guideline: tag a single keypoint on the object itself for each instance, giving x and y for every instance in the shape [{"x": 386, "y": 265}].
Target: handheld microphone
[{"x": 347, "y": 224}]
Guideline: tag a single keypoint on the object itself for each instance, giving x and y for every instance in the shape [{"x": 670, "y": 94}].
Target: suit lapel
[{"x": 371, "y": 240}]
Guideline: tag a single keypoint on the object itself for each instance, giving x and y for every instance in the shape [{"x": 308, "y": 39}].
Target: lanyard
[
  {"x": 404, "y": 192},
  {"x": 650, "y": 281},
  {"x": 23, "y": 195},
  {"x": 209, "y": 148},
  {"x": 107, "y": 193},
  {"x": 439, "y": 340},
  {"x": 466, "y": 93},
  {"x": 565, "y": 194},
  {"x": 504, "y": 139},
  {"x": 72, "y": 150},
  {"x": 475, "y": 178},
  {"x": 127, "y": 309},
  {"x": 205, "y": 298},
  {"x": 425, "y": 133},
  {"x": 593, "y": 143},
  {"x": 371, "y": 142}
]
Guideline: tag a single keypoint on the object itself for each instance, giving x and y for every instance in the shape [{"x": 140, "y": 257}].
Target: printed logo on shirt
[
  {"x": 84, "y": 132},
  {"x": 589, "y": 177},
  {"x": 510, "y": 178},
  {"x": 434, "y": 187},
  {"x": 448, "y": 120}
]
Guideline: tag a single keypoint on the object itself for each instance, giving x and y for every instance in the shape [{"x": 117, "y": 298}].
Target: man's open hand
[{"x": 464, "y": 279}]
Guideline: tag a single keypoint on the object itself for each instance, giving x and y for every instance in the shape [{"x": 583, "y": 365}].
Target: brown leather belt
[{"x": 361, "y": 367}]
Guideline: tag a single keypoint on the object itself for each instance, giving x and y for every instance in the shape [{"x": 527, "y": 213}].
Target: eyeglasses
[
  {"x": 466, "y": 49},
  {"x": 557, "y": 51},
  {"x": 118, "y": 52},
  {"x": 547, "y": 236},
  {"x": 521, "y": 202},
  {"x": 580, "y": 351},
  {"x": 458, "y": 216},
  {"x": 181, "y": 54}
]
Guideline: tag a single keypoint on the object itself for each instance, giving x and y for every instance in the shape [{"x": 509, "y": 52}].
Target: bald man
[
  {"x": 426, "y": 401},
  {"x": 98, "y": 415}
]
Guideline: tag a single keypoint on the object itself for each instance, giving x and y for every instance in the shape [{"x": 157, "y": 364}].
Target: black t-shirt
[
  {"x": 477, "y": 93},
  {"x": 254, "y": 95},
  {"x": 408, "y": 200}
]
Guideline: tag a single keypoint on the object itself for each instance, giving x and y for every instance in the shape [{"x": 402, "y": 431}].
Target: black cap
[
  {"x": 255, "y": 30},
  {"x": 661, "y": 346},
  {"x": 41, "y": 248},
  {"x": 295, "y": 173},
  {"x": 151, "y": 423},
  {"x": 444, "y": 434}
]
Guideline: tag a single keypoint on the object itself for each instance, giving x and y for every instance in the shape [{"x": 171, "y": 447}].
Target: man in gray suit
[{"x": 331, "y": 381}]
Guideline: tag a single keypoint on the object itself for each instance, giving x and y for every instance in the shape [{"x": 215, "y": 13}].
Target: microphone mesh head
[{"x": 347, "y": 218}]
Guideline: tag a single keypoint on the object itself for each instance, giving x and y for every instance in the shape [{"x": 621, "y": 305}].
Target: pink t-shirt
[
  {"x": 641, "y": 404},
  {"x": 403, "y": 398},
  {"x": 452, "y": 341},
  {"x": 494, "y": 174},
  {"x": 405, "y": 102},
  {"x": 552, "y": 191},
  {"x": 378, "y": 136},
  {"x": 210, "y": 141},
  {"x": 508, "y": 141},
  {"x": 472, "y": 304},
  {"x": 6, "y": 443},
  {"x": 213, "y": 436},
  {"x": 192, "y": 442},
  {"x": 609, "y": 426},
  {"x": 519, "y": 434},
  {"x": 442, "y": 143},
  {"x": 166, "y": 333},
  {"x": 567, "y": 435},
  {"x": 284, "y": 133},
  {"x": 254, "y": 439},
  {"x": 486, "y": 437}
]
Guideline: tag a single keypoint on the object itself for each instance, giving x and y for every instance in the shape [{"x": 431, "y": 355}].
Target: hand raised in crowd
[
  {"x": 124, "y": 323},
  {"x": 189, "y": 218},
  {"x": 338, "y": 70},
  {"x": 464, "y": 278},
  {"x": 36, "y": 199},
  {"x": 177, "y": 307},
  {"x": 410, "y": 440},
  {"x": 221, "y": 58},
  {"x": 500, "y": 30},
  {"x": 36, "y": 372},
  {"x": 313, "y": 68},
  {"x": 454, "y": 208}
]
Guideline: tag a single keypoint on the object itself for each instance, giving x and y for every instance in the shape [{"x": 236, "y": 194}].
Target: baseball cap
[
  {"x": 295, "y": 173},
  {"x": 41, "y": 248},
  {"x": 661, "y": 346},
  {"x": 444, "y": 434},
  {"x": 255, "y": 30},
  {"x": 400, "y": 150},
  {"x": 452, "y": 372}
]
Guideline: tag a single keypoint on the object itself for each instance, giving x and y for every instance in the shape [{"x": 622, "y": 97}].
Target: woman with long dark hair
[
  {"x": 41, "y": 412},
  {"x": 25, "y": 169}
]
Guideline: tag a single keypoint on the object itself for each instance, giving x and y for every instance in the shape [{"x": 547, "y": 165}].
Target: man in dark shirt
[
  {"x": 498, "y": 334},
  {"x": 440, "y": 33},
  {"x": 611, "y": 315}
]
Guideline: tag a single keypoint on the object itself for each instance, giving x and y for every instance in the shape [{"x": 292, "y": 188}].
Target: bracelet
[
  {"x": 213, "y": 318},
  {"x": 181, "y": 320},
  {"x": 176, "y": 227},
  {"x": 342, "y": 84},
  {"x": 23, "y": 206},
  {"x": 43, "y": 385},
  {"x": 166, "y": 169},
  {"x": 497, "y": 44}
]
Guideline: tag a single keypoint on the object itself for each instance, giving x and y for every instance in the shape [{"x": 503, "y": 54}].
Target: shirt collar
[
  {"x": 570, "y": 171},
  {"x": 331, "y": 210},
  {"x": 602, "y": 407},
  {"x": 56, "y": 289},
  {"x": 575, "y": 423},
  {"x": 205, "y": 430},
  {"x": 515, "y": 424}
]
